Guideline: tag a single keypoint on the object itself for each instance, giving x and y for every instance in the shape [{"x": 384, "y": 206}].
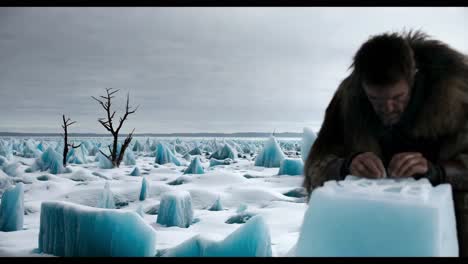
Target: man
[{"x": 402, "y": 112}]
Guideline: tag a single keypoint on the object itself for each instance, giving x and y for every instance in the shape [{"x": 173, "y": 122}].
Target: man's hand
[
  {"x": 407, "y": 164},
  {"x": 367, "y": 165}
]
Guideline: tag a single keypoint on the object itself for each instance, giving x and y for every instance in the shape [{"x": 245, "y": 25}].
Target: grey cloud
[{"x": 191, "y": 69}]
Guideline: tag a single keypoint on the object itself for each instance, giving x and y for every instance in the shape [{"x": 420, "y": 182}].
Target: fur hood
[{"x": 441, "y": 85}]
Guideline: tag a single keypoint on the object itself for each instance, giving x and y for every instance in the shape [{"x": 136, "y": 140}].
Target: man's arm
[
  {"x": 453, "y": 165},
  {"x": 325, "y": 158},
  {"x": 454, "y": 169},
  {"x": 455, "y": 172}
]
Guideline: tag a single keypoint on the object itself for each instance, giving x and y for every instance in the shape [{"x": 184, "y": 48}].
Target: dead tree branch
[{"x": 108, "y": 123}]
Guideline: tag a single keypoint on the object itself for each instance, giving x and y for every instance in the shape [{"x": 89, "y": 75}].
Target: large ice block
[
  {"x": 250, "y": 240},
  {"x": 12, "y": 209},
  {"x": 385, "y": 217},
  {"x": 175, "y": 209},
  {"x": 74, "y": 230}
]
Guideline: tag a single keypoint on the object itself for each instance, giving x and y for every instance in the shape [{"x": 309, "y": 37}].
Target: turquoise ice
[
  {"x": 308, "y": 139},
  {"x": 73, "y": 230},
  {"x": 290, "y": 166},
  {"x": 386, "y": 218},
  {"x": 225, "y": 152},
  {"x": 103, "y": 161},
  {"x": 11, "y": 169},
  {"x": 195, "y": 167},
  {"x": 252, "y": 239},
  {"x": 49, "y": 160},
  {"x": 137, "y": 147},
  {"x": 217, "y": 206},
  {"x": 196, "y": 151},
  {"x": 135, "y": 172},
  {"x": 271, "y": 155},
  {"x": 12, "y": 209},
  {"x": 164, "y": 155},
  {"x": 5, "y": 150},
  {"x": 129, "y": 157},
  {"x": 106, "y": 198},
  {"x": 144, "y": 189},
  {"x": 175, "y": 209}
]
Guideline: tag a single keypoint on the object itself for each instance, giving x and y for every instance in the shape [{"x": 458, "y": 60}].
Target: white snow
[{"x": 263, "y": 194}]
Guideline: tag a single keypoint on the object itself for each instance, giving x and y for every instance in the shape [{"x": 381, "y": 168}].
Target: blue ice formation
[
  {"x": 12, "y": 209},
  {"x": 292, "y": 167},
  {"x": 76, "y": 156},
  {"x": 106, "y": 198},
  {"x": 59, "y": 147},
  {"x": 361, "y": 217},
  {"x": 154, "y": 146},
  {"x": 195, "y": 167},
  {"x": 271, "y": 155},
  {"x": 147, "y": 146},
  {"x": 104, "y": 162},
  {"x": 93, "y": 151},
  {"x": 175, "y": 209},
  {"x": 226, "y": 152},
  {"x": 87, "y": 145},
  {"x": 11, "y": 169},
  {"x": 135, "y": 172},
  {"x": 129, "y": 157},
  {"x": 217, "y": 206},
  {"x": 29, "y": 149},
  {"x": 119, "y": 148},
  {"x": 196, "y": 151},
  {"x": 241, "y": 216},
  {"x": 208, "y": 148},
  {"x": 73, "y": 230},
  {"x": 179, "y": 148},
  {"x": 308, "y": 139},
  {"x": 144, "y": 189},
  {"x": 187, "y": 157},
  {"x": 5, "y": 182},
  {"x": 49, "y": 160},
  {"x": 3, "y": 160},
  {"x": 250, "y": 240},
  {"x": 41, "y": 146},
  {"x": 164, "y": 155},
  {"x": 241, "y": 208},
  {"x": 137, "y": 147},
  {"x": 5, "y": 150},
  {"x": 215, "y": 162},
  {"x": 70, "y": 154}
]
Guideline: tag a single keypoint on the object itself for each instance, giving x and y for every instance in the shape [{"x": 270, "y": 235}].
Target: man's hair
[{"x": 384, "y": 60}]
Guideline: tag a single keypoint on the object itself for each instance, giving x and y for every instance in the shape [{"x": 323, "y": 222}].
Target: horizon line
[{"x": 245, "y": 134}]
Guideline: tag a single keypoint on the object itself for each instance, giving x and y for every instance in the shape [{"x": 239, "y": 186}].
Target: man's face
[{"x": 389, "y": 101}]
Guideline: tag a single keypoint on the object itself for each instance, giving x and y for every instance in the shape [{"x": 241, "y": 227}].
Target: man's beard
[{"x": 390, "y": 120}]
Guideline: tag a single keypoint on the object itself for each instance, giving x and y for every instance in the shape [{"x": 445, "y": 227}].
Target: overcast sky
[{"x": 202, "y": 69}]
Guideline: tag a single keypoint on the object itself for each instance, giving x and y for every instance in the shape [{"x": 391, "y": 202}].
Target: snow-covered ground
[{"x": 237, "y": 185}]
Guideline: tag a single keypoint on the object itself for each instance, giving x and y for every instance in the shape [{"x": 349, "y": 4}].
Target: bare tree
[
  {"x": 66, "y": 124},
  {"x": 107, "y": 123}
]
